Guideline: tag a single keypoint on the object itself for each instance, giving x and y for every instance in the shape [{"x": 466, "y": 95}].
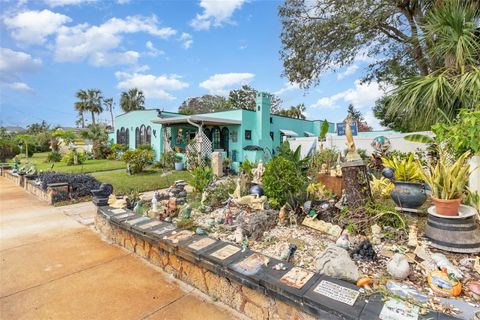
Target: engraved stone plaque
[
  {"x": 225, "y": 252},
  {"x": 137, "y": 220},
  {"x": 117, "y": 211},
  {"x": 337, "y": 292},
  {"x": 175, "y": 237},
  {"x": 164, "y": 229},
  {"x": 150, "y": 224},
  {"x": 296, "y": 277},
  {"x": 252, "y": 264},
  {"x": 398, "y": 310},
  {"x": 202, "y": 243},
  {"x": 125, "y": 215}
]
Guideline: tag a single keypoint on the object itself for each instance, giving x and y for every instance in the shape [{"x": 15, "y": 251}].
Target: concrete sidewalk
[{"x": 53, "y": 266}]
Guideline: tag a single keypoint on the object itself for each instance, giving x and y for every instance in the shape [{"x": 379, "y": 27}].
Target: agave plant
[
  {"x": 447, "y": 179},
  {"x": 405, "y": 169}
]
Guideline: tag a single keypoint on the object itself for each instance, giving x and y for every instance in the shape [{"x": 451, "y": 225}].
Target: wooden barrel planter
[
  {"x": 333, "y": 184},
  {"x": 455, "y": 235}
]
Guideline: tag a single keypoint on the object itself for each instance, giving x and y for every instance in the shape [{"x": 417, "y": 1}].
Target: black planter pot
[{"x": 408, "y": 195}]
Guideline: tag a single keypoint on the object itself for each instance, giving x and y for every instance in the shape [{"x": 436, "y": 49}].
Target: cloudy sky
[{"x": 171, "y": 50}]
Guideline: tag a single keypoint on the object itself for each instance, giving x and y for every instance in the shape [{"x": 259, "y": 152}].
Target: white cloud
[
  {"x": 221, "y": 83},
  {"x": 33, "y": 27},
  {"x": 349, "y": 71},
  {"x": 14, "y": 62},
  {"x": 152, "y": 51},
  {"x": 372, "y": 121},
  {"x": 363, "y": 95},
  {"x": 123, "y": 1},
  {"x": 61, "y": 3},
  {"x": 186, "y": 40},
  {"x": 21, "y": 86},
  {"x": 287, "y": 87},
  {"x": 215, "y": 13},
  {"x": 92, "y": 43},
  {"x": 153, "y": 86}
]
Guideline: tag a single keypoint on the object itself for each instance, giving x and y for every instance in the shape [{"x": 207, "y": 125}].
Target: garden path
[{"x": 53, "y": 266}]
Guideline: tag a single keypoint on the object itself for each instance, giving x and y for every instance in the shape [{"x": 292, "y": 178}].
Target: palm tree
[
  {"x": 99, "y": 137},
  {"x": 132, "y": 100},
  {"x": 94, "y": 103},
  {"x": 81, "y": 105},
  {"x": 109, "y": 107},
  {"x": 421, "y": 101}
]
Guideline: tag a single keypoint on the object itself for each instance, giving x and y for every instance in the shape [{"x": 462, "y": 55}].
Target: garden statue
[
  {"x": 228, "y": 218},
  {"x": 338, "y": 170},
  {"x": 398, "y": 266},
  {"x": 335, "y": 262},
  {"x": 292, "y": 218},
  {"x": 15, "y": 166},
  {"x": 324, "y": 169},
  {"x": 238, "y": 234},
  {"x": 237, "y": 193},
  {"x": 138, "y": 208},
  {"x": 282, "y": 215},
  {"x": 352, "y": 154},
  {"x": 119, "y": 203},
  {"x": 154, "y": 202},
  {"x": 412, "y": 236},
  {"x": 376, "y": 234},
  {"x": 253, "y": 201},
  {"x": 258, "y": 173},
  {"x": 186, "y": 211},
  {"x": 171, "y": 206}
]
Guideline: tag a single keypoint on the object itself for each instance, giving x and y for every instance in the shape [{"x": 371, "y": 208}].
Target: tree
[
  {"x": 35, "y": 128},
  {"x": 420, "y": 101},
  {"x": 81, "y": 105},
  {"x": 94, "y": 102},
  {"x": 244, "y": 98},
  {"x": 99, "y": 137},
  {"x": 357, "y": 116},
  {"x": 109, "y": 106},
  {"x": 325, "y": 35},
  {"x": 205, "y": 103},
  {"x": 132, "y": 100},
  {"x": 293, "y": 112}
]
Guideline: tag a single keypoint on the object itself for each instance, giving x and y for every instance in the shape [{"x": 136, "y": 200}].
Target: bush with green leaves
[
  {"x": 8, "y": 149},
  {"x": 117, "y": 150},
  {"x": 137, "y": 159},
  {"x": 220, "y": 193},
  {"x": 166, "y": 161},
  {"x": 325, "y": 156},
  {"x": 247, "y": 167},
  {"x": 202, "y": 176},
  {"x": 54, "y": 157},
  {"x": 74, "y": 157},
  {"x": 282, "y": 177}
]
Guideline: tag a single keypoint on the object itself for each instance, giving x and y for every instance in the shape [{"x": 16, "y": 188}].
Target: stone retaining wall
[{"x": 259, "y": 295}]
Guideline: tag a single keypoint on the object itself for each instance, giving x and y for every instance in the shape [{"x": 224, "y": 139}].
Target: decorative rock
[
  {"x": 186, "y": 211},
  {"x": 376, "y": 234},
  {"x": 398, "y": 266},
  {"x": 336, "y": 262},
  {"x": 200, "y": 231},
  {"x": 412, "y": 236},
  {"x": 406, "y": 291},
  {"x": 282, "y": 215},
  {"x": 288, "y": 254},
  {"x": 256, "y": 190},
  {"x": 364, "y": 251},
  {"x": 279, "y": 266},
  {"x": 343, "y": 242},
  {"x": 442, "y": 262}
]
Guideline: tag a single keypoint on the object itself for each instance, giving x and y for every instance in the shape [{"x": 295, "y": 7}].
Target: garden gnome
[
  {"x": 412, "y": 236},
  {"x": 352, "y": 154},
  {"x": 282, "y": 215},
  {"x": 258, "y": 173},
  {"x": 228, "y": 218},
  {"x": 376, "y": 234}
]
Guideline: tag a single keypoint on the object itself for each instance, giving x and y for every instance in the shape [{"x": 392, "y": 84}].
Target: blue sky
[{"x": 171, "y": 50}]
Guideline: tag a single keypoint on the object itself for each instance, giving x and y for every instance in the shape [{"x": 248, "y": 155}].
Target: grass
[
  {"x": 146, "y": 181},
  {"x": 87, "y": 167}
]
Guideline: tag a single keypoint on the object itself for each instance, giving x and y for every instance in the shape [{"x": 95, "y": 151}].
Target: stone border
[{"x": 260, "y": 295}]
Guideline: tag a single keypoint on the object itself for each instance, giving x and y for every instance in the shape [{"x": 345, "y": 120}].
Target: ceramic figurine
[
  {"x": 292, "y": 217},
  {"x": 288, "y": 254},
  {"x": 119, "y": 203},
  {"x": 412, "y": 236},
  {"x": 138, "y": 208},
  {"x": 238, "y": 191},
  {"x": 258, "y": 173},
  {"x": 398, "y": 266},
  {"x": 186, "y": 211},
  {"x": 324, "y": 169},
  {"x": 199, "y": 231},
  {"x": 244, "y": 244},
  {"x": 15, "y": 167},
  {"x": 154, "y": 203},
  {"x": 111, "y": 199},
  {"x": 172, "y": 206},
  {"x": 282, "y": 215},
  {"x": 338, "y": 170},
  {"x": 444, "y": 283},
  {"x": 238, "y": 235},
  {"x": 352, "y": 154},
  {"x": 343, "y": 242},
  {"x": 376, "y": 234},
  {"x": 228, "y": 218},
  {"x": 443, "y": 263},
  {"x": 333, "y": 172}
]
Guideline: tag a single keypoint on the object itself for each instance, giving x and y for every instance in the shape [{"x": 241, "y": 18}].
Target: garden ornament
[
  {"x": 138, "y": 208},
  {"x": 15, "y": 167},
  {"x": 338, "y": 170},
  {"x": 288, "y": 254},
  {"x": 398, "y": 266},
  {"x": 282, "y": 215},
  {"x": 228, "y": 218},
  {"x": 199, "y": 231},
  {"x": 324, "y": 169},
  {"x": 186, "y": 211},
  {"x": 292, "y": 217},
  {"x": 258, "y": 173},
  {"x": 444, "y": 283},
  {"x": 253, "y": 201},
  {"x": 154, "y": 203},
  {"x": 119, "y": 203},
  {"x": 104, "y": 191},
  {"x": 412, "y": 236},
  {"x": 365, "y": 282},
  {"x": 111, "y": 199},
  {"x": 172, "y": 206},
  {"x": 245, "y": 244},
  {"x": 238, "y": 191},
  {"x": 238, "y": 235},
  {"x": 443, "y": 263},
  {"x": 352, "y": 154},
  {"x": 376, "y": 234}
]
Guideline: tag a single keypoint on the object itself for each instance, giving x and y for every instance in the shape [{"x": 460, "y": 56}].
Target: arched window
[
  {"x": 137, "y": 138},
  {"x": 208, "y": 133},
  {"x": 143, "y": 135},
  {"x": 127, "y": 137},
  {"x": 118, "y": 137},
  {"x": 149, "y": 135},
  {"x": 216, "y": 137},
  {"x": 122, "y": 135},
  {"x": 224, "y": 138}
]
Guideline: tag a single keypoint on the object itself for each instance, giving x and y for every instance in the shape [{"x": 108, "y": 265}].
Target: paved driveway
[{"x": 53, "y": 266}]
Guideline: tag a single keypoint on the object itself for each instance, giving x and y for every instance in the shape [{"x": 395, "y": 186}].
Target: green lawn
[
  {"x": 87, "y": 166},
  {"x": 147, "y": 181}
]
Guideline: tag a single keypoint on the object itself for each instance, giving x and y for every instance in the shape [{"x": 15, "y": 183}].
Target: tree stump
[{"x": 355, "y": 183}]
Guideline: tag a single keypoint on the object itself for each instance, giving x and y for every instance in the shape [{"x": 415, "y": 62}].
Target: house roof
[
  {"x": 289, "y": 133},
  {"x": 197, "y": 119}
]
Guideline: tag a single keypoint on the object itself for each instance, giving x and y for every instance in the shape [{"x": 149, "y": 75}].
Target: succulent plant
[{"x": 405, "y": 169}]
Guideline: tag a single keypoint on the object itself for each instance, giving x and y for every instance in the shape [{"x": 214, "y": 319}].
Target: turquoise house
[{"x": 238, "y": 134}]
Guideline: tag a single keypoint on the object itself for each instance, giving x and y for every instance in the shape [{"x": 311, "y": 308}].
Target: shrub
[
  {"x": 137, "y": 159},
  {"x": 325, "y": 156},
  {"x": 74, "y": 157},
  {"x": 145, "y": 147},
  {"x": 117, "y": 150},
  {"x": 166, "y": 161},
  {"x": 220, "y": 193},
  {"x": 8, "y": 149},
  {"x": 202, "y": 176},
  {"x": 281, "y": 178},
  {"x": 54, "y": 157},
  {"x": 80, "y": 183},
  {"x": 247, "y": 167}
]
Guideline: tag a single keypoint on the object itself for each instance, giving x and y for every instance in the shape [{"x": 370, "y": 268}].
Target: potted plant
[
  {"x": 178, "y": 162},
  {"x": 408, "y": 192},
  {"x": 447, "y": 180},
  {"x": 227, "y": 162}
]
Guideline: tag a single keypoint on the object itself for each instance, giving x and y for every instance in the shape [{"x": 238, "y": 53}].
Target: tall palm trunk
[
  {"x": 111, "y": 114},
  {"x": 83, "y": 119},
  {"x": 93, "y": 117}
]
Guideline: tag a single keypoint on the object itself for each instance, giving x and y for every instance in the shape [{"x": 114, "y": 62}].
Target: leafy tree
[
  {"x": 205, "y": 103},
  {"x": 99, "y": 137},
  {"x": 357, "y": 116},
  {"x": 109, "y": 106},
  {"x": 420, "y": 101},
  {"x": 35, "y": 128},
  {"x": 245, "y": 98},
  {"x": 132, "y": 100},
  {"x": 81, "y": 105},
  {"x": 94, "y": 102},
  {"x": 27, "y": 141},
  {"x": 318, "y": 36},
  {"x": 294, "y": 111},
  {"x": 67, "y": 136}
]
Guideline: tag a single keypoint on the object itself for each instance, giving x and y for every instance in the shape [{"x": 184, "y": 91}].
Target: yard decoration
[
  {"x": 444, "y": 283},
  {"x": 335, "y": 262},
  {"x": 352, "y": 154},
  {"x": 258, "y": 173},
  {"x": 412, "y": 236}
]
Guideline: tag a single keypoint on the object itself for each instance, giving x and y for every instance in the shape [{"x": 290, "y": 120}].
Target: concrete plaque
[
  {"x": 398, "y": 310},
  {"x": 164, "y": 229},
  {"x": 296, "y": 277},
  {"x": 252, "y": 264},
  {"x": 150, "y": 224},
  {"x": 175, "y": 237},
  {"x": 125, "y": 215},
  {"x": 137, "y": 220},
  {"x": 337, "y": 292},
  {"x": 225, "y": 252},
  {"x": 117, "y": 211},
  {"x": 202, "y": 243}
]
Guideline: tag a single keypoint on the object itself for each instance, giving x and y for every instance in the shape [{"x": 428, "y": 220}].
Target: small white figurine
[
  {"x": 376, "y": 234},
  {"x": 155, "y": 203},
  {"x": 258, "y": 173}
]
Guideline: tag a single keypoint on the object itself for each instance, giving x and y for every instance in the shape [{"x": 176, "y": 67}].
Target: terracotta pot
[{"x": 447, "y": 207}]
